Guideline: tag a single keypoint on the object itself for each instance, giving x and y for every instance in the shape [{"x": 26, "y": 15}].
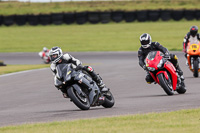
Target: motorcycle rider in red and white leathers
[
  {"x": 44, "y": 54},
  {"x": 193, "y": 37},
  {"x": 57, "y": 57},
  {"x": 147, "y": 46}
]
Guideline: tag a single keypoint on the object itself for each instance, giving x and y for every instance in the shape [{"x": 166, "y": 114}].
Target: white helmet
[
  {"x": 45, "y": 49},
  {"x": 145, "y": 40},
  {"x": 55, "y": 54}
]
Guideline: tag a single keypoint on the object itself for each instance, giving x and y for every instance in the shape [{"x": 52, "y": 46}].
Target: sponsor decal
[{"x": 69, "y": 72}]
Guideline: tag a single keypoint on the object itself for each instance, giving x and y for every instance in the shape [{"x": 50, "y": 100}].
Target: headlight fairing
[
  {"x": 151, "y": 68},
  {"x": 160, "y": 64}
]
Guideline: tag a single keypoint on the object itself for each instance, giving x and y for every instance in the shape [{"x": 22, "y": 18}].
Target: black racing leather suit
[
  {"x": 143, "y": 52},
  {"x": 155, "y": 46}
]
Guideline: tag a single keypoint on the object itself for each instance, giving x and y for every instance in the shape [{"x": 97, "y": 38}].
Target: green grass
[
  {"x": 100, "y": 37},
  {"x": 17, "y": 68},
  {"x": 184, "y": 121},
  {"x": 8, "y": 8}
]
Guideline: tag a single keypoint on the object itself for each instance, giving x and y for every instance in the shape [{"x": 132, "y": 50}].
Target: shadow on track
[
  {"x": 73, "y": 110},
  {"x": 143, "y": 96}
]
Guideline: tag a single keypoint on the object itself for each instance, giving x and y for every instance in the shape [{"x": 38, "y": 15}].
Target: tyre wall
[{"x": 99, "y": 17}]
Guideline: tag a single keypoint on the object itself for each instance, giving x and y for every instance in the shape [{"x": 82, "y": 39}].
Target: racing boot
[
  {"x": 179, "y": 71},
  {"x": 149, "y": 78},
  {"x": 102, "y": 86},
  {"x": 96, "y": 78},
  {"x": 64, "y": 93},
  {"x": 186, "y": 63}
]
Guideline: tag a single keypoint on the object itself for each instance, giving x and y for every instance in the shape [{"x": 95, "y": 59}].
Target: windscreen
[
  {"x": 151, "y": 55},
  {"x": 62, "y": 70}
]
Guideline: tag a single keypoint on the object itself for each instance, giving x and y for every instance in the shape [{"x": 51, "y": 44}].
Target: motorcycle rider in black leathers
[
  {"x": 57, "y": 57},
  {"x": 192, "y": 37},
  {"x": 147, "y": 46}
]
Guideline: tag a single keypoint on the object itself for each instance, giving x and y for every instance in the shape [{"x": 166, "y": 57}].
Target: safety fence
[{"x": 100, "y": 17}]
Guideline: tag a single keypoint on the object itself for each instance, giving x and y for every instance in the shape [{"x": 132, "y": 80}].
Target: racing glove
[
  {"x": 144, "y": 67},
  {"x": 167, "y": 55}
]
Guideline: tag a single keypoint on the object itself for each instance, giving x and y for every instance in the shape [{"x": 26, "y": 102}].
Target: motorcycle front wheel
[
  {"x": 166, "y": 84},
  {"x": 81, "y": 101},
  {"x": 196, "y": 68}
]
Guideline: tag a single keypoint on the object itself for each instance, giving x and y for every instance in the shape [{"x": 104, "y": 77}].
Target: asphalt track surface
[{"x": 29, "y": 97}]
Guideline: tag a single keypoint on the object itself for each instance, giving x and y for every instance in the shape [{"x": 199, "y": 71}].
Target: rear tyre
[
  {"x": 81, "y": 101},
  {"x": 109, "y": 101},
  {"x": 196, "y": 68},
  {"x": 166, "y": 84}
]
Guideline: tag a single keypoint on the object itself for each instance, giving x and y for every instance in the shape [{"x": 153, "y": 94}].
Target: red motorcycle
[{"x": 164, "y": 73}]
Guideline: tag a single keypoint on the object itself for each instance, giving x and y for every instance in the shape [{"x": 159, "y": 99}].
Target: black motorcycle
[{"x": 81, "y": 89}]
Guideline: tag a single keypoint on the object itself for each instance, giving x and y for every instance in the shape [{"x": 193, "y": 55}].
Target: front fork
[
  {"x": 174, "y": 78},
  {"x": 191, "y": 61}
]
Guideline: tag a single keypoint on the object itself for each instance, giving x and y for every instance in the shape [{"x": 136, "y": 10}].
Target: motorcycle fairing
[
  {"x": 94, "y": 90},
  {"x": 193, "y": 51},
  {"x": 172, "y": 70},
  {"x": 151, "y": 62}
]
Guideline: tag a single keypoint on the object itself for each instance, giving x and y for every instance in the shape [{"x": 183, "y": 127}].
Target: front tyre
[
  {"x": 81, "y": 101},
  {"x": 196, "y": 68},
  {"x": 166, "y": 84},
  {"x": 109, "y": 101}
]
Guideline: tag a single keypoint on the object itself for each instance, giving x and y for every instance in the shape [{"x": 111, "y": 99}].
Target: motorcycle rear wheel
[
  {"x": 167, "y": 87},
  {"x": 109, "y": 101},
  {"x": 81, "y": 102}
]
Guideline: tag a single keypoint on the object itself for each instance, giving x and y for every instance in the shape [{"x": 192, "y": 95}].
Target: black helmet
[
  {"x": 193, "y": 30},
  {"x": 145, "y": 40},
  {"x": 55, "y": 54}
]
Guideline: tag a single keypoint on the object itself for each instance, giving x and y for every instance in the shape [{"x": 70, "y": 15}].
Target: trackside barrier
[
  {"x": 165, "y": 15},
  {"x": 100, "y": 17},
  {"x": 105, "y": 17},
  {"x": 81, "y": 17},
  {"x": 33, "y": 19},
  {"x": 69, "y": 18},
  {"x": 1, "y": 20},
  {"x": 130, "y": 16},
  {"x": 117, "y": 16},
  {"x": 94, "y": 17},
  {"x": 177, "y": 15},
  {"x": 57, "y": 18}
]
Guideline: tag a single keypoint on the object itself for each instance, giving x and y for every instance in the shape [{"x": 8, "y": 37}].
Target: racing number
[{"x": 194, "y": 46}]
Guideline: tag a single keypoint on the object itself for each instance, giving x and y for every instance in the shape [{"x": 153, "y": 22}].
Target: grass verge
[
  {"x": 9, "y": 8},
  {"x": 184, "y": 121},
  {"x": 17, "y": 68},
  {"x": 100, "y": 37}
]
